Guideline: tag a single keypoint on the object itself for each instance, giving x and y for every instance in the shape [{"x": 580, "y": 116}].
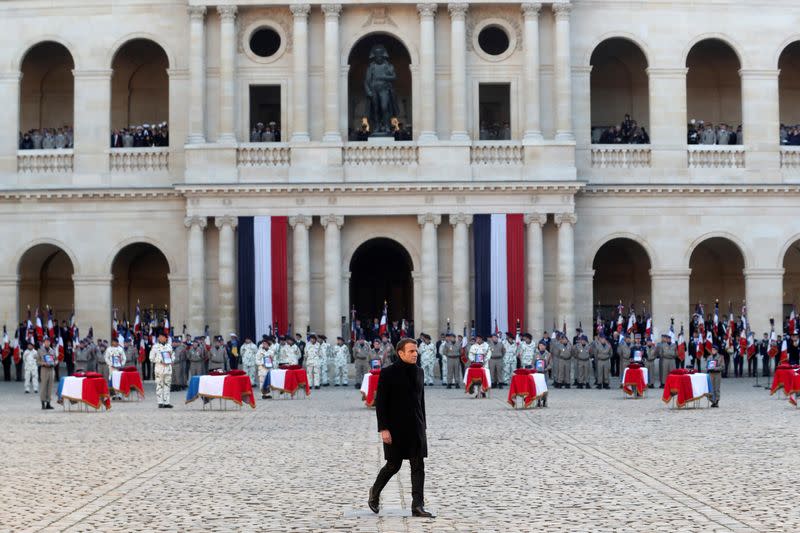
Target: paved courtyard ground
[{"x": 591, "y": 461}]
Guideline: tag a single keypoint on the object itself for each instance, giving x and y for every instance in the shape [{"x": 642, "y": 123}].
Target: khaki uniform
[
  {"x": 668, "y": 353},
  {"x": 496, "y": 361},
  {"x": 161, "y": 355},
  {"x": 131, "y": 356},
  {"x": 583, "y": 365},
  {"x": 602, "y": 356},
  {"x": 452, "y": 353},
  {"x": 650, "y": 363},
  {"x": 562, "y": 356},
  {"x": 716, "y": 376},
  {"x": 100, "y": 362},
  {"x": 47, "y": 374},
  {"x": 218, "y": 358},
  {"x": 387, "y": 354},
  {"x": 197, "y": 357},
  {"x": 624, "y": 353},
  {"x": 361, "y": 355},
  {"x": 179, "y": 358}
]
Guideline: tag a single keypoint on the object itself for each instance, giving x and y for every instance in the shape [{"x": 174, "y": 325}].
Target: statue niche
[{"x": 379, "y": 89}]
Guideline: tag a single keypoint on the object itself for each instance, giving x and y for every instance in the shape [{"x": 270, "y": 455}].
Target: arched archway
[
  {"x": 619, "y": 87},
  {"x": 358, "y": 61},
  {"x": 789, "y": 90},
  {"x": 621, "y": 272},
  {"x": 380, "y": 269},
  {"x": 717, "y": 266},
  {"x": 139, "y": 85},
  {"x": 713, "y": 85},
  {"x": 791, "y": 277},
  {"x": 47, "y": 90},
  {"x": 140, "y": 274},
  {"x": 45, "y": 280}
]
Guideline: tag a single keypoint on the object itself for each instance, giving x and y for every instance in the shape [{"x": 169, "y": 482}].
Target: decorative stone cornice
[
  {"x": 226, "y": 220},
  {"x": 201, "y": 222},
  {"x": 427, "y": 9},
  {"x": 458, "y": 10},
  {"x": 13, "y": 77},
  {"x": 93, "y": 74},
  {"x": 689, "y": 189},
  {"x": 300, "y": 220},
  {"x": 197, "y": 12},
  {"x": 429, "y": 218},
  {"x": 565, "y": 218},
  {"x": 326, "y": 220},
  {"x": 667, "y": 274},
  {"x": 666, "y": 72},
  {"x": 460, "y": 218},
  {"x": 763, "y": 273},
  {"x": 90, "y": 194},
  {"x": 300, "y": 10},
  {"x": 227, "y": 13},
  {"x": 562, "y": 9},
  {"x": 759, "y": 74},
  {"x": 531, "y": 9},
  {"x": 536, "y": 218},
  {"x": 332, "y": 10},
  {"x": 91, "y": 279}
]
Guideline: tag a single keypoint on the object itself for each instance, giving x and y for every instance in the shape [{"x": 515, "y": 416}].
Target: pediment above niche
[{"x": 378, "y": 16}]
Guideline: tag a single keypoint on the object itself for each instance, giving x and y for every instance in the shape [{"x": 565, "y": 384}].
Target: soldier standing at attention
[
  {"x": 511, "y": 356},
  {"x": 496, "y": 361},
  {"x": 290, "y": 352},
  {"x": 179, "y": 359},
  {"x": 325, "y": 359},
  {"x": 649, "y": 352},
  {"x": 562, "y": 355},
  {"x": 264, "y": 358},
  {"x": 602, "y": 352},
  {"x": 580, "y": 352},
  {"x": 218, "y": 359},
  {"x": 81, "y": 357},
  {"x": 131, "y": 355},
  {"x": 115, "y": 359},
  {"x": 313, "y": 359},
  {"x": 341, "y": 358},
  {"x": 161, "y": 356},
  {"x": 667, "y": 353},
  {"x": 715, "y": 365},
  {"x": 197, "y": 357},
  {"x": 100, "y": 360},
  {"x": 249, "y": 360},
  {"x": 30, "y": 360},
  {"x": 47, "y": 359},
  {"x": 452, "y": 354},
  {"x": 361, "y": 353},
  {"x": 427, "y": 354},
  {"x": 387, "y": 351}
]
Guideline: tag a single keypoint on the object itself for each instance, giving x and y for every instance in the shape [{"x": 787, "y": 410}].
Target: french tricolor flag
[
  {"x": 263, "y": 286},
  {"x": 499, "y": 272}
]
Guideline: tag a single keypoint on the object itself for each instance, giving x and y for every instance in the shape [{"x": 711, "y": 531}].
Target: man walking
[{"x": 400, "y": 406}]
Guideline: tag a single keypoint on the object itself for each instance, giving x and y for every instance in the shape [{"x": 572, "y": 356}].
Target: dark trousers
[
  {"x": 19, "y": 370},
  {"x": 615, "y": 365},
  {"x": 752, "y": 362},
  {"x": 70, "y": 366},
  {"x": 727, "y": 365},
  {"x": 417, "y": 479},
  {"x": 765, "y": 364},
  {"x": 146, "y": 368},
  {"x": 680, "y": 363},
  {"x": 738, "y": 366},
  {"x": 7, "y": 368},
  {"x": 234, "y": 362}
]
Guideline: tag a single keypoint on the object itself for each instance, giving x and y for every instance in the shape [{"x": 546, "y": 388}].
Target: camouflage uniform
[
  {"x": 427, "y": 357},
  {"x": 162, "y": 371},
  {"x": 248, "y": 352},
  {"x": 511, "y": 351},
  {"x": 264, "y": 358},
  {"x": 325, "y": 359},
  {"x": 31, "y": 364},
  {"x": 119, "y": 353},
  {"x": 527, "y": 354},
  {"x": 289, "y": 354},
  {"x": 313, "y": 360},
  {"x": 341, "y": 358}
]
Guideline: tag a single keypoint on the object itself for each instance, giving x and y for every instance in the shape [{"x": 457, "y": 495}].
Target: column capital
[
  {"x": 332, "y": 10},
  {"x": 227, "y": 13},
  {"x": 298, "y": 220},
  {"x": 531, "y": 9},
  {"x": 196, "y": 12},
  {"x": 326, "y": 220},
  {"x": 195, "y": 221},
  {"x": 427, "y": 10},
  {"x": 429, "y": 218},
  {"x": 460, "y": 218},
  {"x": 226, "y": 220},
  {"x": 565, "y": 218},
  {"x": 562, "y": 10},
  {"x": 536, "y": 218},
  {"x": 300, "y": 10},
  {"x": 458, "y": 10}
]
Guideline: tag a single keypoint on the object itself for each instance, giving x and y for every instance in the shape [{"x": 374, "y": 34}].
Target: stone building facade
[{"x": 94, "y": 228}]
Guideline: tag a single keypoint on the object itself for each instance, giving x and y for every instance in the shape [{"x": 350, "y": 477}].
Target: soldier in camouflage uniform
[
  {"x": 248, "y": 352},
  {"x": 289, "y": 352},
  {"x": 427, "y": 356},
  {"x": 264, "y": 358},
  {"x": 511, "y": 355},
  {"x": 313, "y": 360},
  {"x": 341, "y": 360},
  {"x": 326, "y": 354},
  {"x": 387, "y": 351},
  {"x": 161, "y": 355},
  {"x": 527, "y": 351}
]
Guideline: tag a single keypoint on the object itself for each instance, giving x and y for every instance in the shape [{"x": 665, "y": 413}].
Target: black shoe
[
  {"x": 661, "y": 386},
  {"x": 336, "y": 385},
  {"x": 316, "y": 388},
  {"x": 356, "y": 386},
  {"x": 420, "y": 512},
  {"x": 326, "y": 384},
  {"x": 263, "y": 396},
  {"x": 43, "y": 407},
  {"x": 168, "y": 406},
  {"x": 650, "y": 387},
  {"x": 449, "y": 386},
  {"x": 27, "y": 392},
  {"x": 566, "y": 386},
  {"x": 580, "y": 386},
  {"x": 374, "y": 502},
  {"x": 544, "y": 402},
  {"x": 598, "y": 386},
  {"x": 49, "y": 406},
  {"x": 606, "y": 386},
  {"x": 161, "y": 406}
]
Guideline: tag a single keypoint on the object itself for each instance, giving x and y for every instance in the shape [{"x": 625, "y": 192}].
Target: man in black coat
[{"x": 400, "y": 406}]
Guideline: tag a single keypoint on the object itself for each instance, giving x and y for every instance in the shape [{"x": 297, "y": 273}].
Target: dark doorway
[
  {"x": 265, "y": 106},
  {"x": 381, "y": 270},
  {"x": 494, "y": 101}
]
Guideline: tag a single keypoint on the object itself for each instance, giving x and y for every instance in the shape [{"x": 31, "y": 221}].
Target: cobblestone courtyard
[{"x": 591, "y": 461}]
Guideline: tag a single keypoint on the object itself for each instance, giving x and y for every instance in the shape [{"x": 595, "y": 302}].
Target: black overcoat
[{"x": 400, "y": 406}]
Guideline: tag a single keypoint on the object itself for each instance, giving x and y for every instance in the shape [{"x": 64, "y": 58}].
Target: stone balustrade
[
  {"x": 263, "y": 155},
  {"x": 621, "y": 156},
  {"x": 45, "y": 161},
  {"x": 390, "y": 153},
  {"x": 496, "y": 153},
  {"x": 790, "y": 157},
  {"x": 716, "y": 156},
  {"x": 150, "y": 159}
]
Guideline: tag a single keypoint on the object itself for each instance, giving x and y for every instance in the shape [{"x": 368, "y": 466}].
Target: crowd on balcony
[
  {"x": 494, "y": 131},
  {"x": 790, "y": 135},
  {"x": 397, "y": 129},
  {"x": 46, "y": 138},
  {"x": 271, "y": 133},
  {"x": 143, "y": 136},
  {"x": 626, "y": 132},
  {"x": 722, "y": 134}
]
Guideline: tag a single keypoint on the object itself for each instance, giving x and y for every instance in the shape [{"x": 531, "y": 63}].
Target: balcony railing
[
  {"x": 496, "y": 153},
  {"x": 152, "y": 159},
  {"x": 790, "y": 157},
  {"x": 716, "y": 156},
  {"x": 263, "y": 155},
  {"x": 45, "y": 161},
  {"x": 390, "y": 153},
  {"x": 621, "y": 156}
]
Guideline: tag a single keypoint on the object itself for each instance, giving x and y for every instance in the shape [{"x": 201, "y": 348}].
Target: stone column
[
  {"x": 227, "y": 276},
  {"x": 533, "y": 127},
  {"x": 333, "y": 274},
  {"x": 563, "y": 73},
  {"x": 566, "y": 269},
  {"x": 764, "y": 296},
  {"x": 10, "y": 115},
  {"x": 300, "y": 130},
  {"x": 9, "y": 301},
  {"x": 430, "y": 273},
  {"x": 670, "y": 297},
  {"x": 458, "y": 71},
  {"x": 535, "y": 273},
  {"x": 227, "y": 76},
  {"x": 460, "y": 223},
  {"x": 92, "y": 120},
  {"x": 195, "y": 255},
  {"x": 761, "y": 120},
  {"x": 197, "y": 76},
  {"x": 667, "y": 97},
  {"x": 93, "y": 302},
  {"x": 332, "y": 131},
  {"x": 301, "y": 271},
  {"x": 427, "y": 71}
]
